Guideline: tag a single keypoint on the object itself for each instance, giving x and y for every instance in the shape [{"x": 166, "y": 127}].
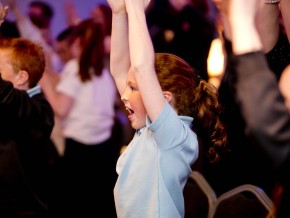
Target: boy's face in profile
[
  {"x": 6, "y": 68},
  {"x": 7, "y": 71}
]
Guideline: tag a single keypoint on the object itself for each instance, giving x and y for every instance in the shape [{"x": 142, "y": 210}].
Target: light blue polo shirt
[{"x": 154, "y": 168}]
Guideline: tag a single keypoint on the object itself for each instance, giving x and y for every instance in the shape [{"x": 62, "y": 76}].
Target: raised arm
[
  {"x": 256, "y": 89},
  {"x": 71, "y": 14},
  {"x": 245, "y": 38},
  {"x": 285, "y": 11},
  {"x": 267, "y": 23},
  {"x": 119, "y": 56},
  {"x": 25, "y": 26},
  {"x": 266, "y": 20},
  {"x": 142, "y": 58},
  {"x": 3, "y": 13},
  {"x": 17, "y": 12}
]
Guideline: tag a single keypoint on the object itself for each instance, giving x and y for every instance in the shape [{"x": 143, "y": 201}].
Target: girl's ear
[{"x": 168, "y": 96}]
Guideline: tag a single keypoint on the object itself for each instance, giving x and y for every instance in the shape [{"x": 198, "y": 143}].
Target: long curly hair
[{"x": 193, "y": 97}]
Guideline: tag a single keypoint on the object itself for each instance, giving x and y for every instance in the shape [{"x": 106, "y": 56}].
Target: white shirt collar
[{"x": 33, "y": 91}]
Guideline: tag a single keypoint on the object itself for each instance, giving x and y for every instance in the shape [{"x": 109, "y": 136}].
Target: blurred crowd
[{"x": 83, "y": 124}]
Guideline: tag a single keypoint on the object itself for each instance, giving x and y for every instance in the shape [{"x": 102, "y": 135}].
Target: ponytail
[{"x": 207, "y": 124}]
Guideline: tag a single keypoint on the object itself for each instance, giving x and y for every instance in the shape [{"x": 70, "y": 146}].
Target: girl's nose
[{"x": 124, "y": 96}]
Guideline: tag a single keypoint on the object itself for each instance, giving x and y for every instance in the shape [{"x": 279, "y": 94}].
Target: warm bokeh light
[{"x": 215, "y": 62}]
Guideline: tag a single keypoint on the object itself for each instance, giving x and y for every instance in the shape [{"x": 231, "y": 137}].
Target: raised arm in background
[
  {"x": 262, "y": 105},
  {"x": 3, "y": 13},
  {"x": 285, "y": 12}
]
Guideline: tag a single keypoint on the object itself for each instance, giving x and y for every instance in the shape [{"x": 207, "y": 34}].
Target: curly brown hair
[{"x": 193, "y": 97}]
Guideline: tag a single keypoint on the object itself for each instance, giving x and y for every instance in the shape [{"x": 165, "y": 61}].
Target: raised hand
[
  {"x": 239, "y": 18},
  {"x": 3, "y": 13},
  {"x": 71, "y": 14},
  {"x": 11, "y": 3}
]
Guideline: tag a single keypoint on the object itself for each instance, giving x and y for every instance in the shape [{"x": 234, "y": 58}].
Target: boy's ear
[
  {"x": 22, "y": 78},
  {"x": 168, "y": 96}
]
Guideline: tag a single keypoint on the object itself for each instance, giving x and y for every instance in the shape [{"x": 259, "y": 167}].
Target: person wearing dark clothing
[
  {"x": 246, "y": 163},
  {"x": 267, "y": 118},
  {"x": 27, "y": 120},
  {"x": 185, "y": 32},
  {"x": 233, "y": 170}
]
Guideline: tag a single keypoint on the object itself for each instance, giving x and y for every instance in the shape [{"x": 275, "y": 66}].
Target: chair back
[
  {"x": 244, "y": 201},
  {"x": 199, "y": 196}
]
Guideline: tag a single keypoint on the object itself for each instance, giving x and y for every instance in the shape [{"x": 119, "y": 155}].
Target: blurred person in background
[
  {"x": 62, "y": 44},
  {"x": 83, "y": 95},
  {"x": 100, "y": 13},
  {"x": 183, "y": 28},
  {"x": 35, "y": 25},
  {"x": 26, "y": 125}
]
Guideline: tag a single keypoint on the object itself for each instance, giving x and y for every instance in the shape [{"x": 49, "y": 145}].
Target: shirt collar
[
  {"x": 34, "y": 91},
  {"x": 186, "y": 119}
]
